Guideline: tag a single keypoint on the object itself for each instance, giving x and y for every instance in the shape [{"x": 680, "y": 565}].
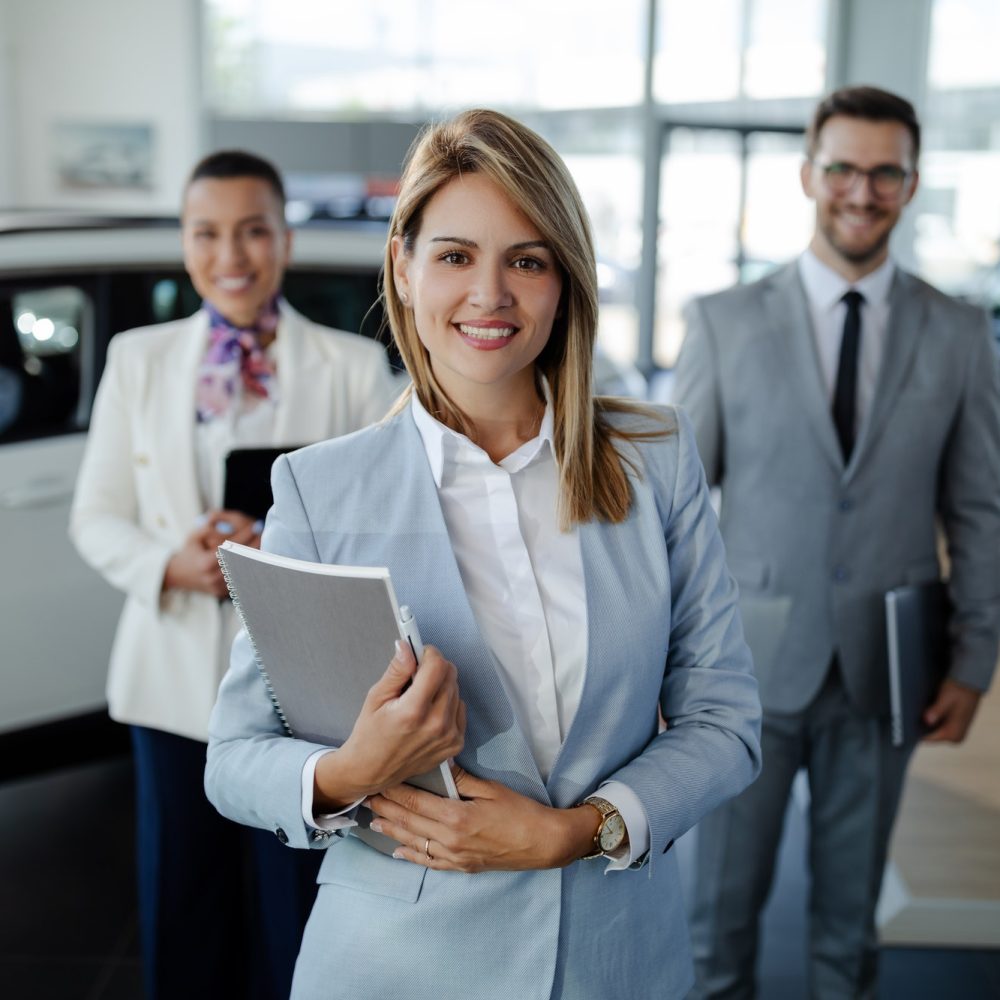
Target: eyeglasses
[{"x": 886, "y": 180}]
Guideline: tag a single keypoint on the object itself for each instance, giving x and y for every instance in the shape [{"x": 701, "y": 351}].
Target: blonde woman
[{"x": 561, "y": 557}]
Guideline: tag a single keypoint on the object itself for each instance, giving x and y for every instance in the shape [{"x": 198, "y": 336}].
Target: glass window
[
  {"x": 286, "y": 56},
  {"x": 698, "y": 246},
  {"x": 778, "y": 218},
  {"x": 698, "y": 50},
  {"x": 786, "y": 48},
  {"x": 718, "y": 50},
  {"x": 963, "y": 50},
  {"x": 41, "y": 332},
  {"x": 956, "y": 213}
]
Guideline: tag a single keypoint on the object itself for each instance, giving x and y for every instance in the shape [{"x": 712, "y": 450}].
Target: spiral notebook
[{"x": 322, "y": 635}]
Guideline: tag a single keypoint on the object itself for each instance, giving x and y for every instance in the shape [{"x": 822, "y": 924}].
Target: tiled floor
[{"x": 68, "y": 913}]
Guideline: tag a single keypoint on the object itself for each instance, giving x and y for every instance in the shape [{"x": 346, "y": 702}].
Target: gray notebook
[{"x": 322, "y": 635}]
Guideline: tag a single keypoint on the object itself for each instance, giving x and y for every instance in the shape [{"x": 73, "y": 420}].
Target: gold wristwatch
[{"x": 611, "y": 834}]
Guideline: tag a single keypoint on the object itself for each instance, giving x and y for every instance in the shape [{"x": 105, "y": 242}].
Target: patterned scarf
[{"x": 234, "y": 358}]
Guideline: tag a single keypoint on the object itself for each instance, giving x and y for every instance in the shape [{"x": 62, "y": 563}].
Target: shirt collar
[
  {"x": 825, "y": 287},
  {"x": 446, "y": 446}
]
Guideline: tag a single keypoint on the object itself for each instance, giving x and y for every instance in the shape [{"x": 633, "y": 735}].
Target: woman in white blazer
[
  {"x": 561, "y": 555},
  {"x": 245, "y": 370}
]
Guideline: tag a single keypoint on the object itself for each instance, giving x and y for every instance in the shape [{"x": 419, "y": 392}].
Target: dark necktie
[{"x": 846, "y": 392}]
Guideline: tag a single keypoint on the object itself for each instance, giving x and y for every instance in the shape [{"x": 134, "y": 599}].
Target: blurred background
[{"x": 682, "y": 122}]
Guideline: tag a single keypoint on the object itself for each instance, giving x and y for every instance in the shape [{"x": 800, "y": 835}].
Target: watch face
[{"x": 612, "y": 833}]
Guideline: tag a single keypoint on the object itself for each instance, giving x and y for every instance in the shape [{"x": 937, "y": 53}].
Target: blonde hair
[{"x": 592, "y": 479}]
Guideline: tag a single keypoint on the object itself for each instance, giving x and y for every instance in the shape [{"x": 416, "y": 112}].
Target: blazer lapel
[
  {"x": 306, "y": 395},
  {"x": 427, "y": 578},
  {"x": 177, "y": 382},
  {"x": 794, "y": 344},
  {"x": 907, "y": 327}
]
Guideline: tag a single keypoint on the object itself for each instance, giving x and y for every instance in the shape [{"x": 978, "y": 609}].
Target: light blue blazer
[{"x": 664, "y": 632}]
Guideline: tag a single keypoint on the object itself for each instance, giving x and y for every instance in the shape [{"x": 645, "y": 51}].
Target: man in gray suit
[{"x": 846, "y": 409}]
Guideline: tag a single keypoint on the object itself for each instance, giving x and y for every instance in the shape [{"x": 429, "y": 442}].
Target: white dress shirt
[
  {"x": 525, "y": 583},
  {"x": 825, "y": 290}
]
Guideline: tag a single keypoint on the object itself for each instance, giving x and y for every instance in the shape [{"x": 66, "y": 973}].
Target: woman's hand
[
  {"x": 194, "y": 566},
  {"x": 410, "y": 722},
  {"x": 490, "y": 829}
]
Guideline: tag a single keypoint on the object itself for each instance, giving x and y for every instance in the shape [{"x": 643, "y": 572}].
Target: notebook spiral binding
[{"x": 253, "y": 645}]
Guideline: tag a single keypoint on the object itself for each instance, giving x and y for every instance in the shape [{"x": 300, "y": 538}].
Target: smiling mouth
[
  {"x": 487, "y": 332},
  {"x": 237, "y": 284}
]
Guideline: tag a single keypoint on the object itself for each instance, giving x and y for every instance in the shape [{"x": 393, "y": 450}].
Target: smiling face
[
  {"x": 484, "y": 288},
  {"x": 236, "y": 244},
  {"x": 853, "y": 228}
]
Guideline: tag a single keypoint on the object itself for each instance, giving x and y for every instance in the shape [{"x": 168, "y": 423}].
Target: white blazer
[{"x": 137, "y": 495}]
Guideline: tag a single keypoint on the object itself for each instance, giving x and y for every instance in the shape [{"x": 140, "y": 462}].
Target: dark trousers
[
  {"x": 221, "y": 907},
  {"x": 855, "y": 779}
]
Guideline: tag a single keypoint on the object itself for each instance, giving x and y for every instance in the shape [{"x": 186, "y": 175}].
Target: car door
[{"x": 58, "y": 615}]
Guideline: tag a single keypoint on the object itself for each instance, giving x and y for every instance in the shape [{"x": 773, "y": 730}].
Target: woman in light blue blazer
[{"x": 563, "y": 561}]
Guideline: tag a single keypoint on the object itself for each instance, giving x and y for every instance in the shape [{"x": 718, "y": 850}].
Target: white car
[{"x": 67, "y": 285}]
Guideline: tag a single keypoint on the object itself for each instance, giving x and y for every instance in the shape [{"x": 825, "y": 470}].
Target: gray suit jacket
[
  {"x": 663, "y": 633},
  {"x": 814, "y": 545}
]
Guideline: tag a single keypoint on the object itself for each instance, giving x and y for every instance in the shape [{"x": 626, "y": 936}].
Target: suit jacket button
[
  {"x": 846, "y": 504},
  {"x": 281, "y": 835},
  {"x": 840, "y": 574}
]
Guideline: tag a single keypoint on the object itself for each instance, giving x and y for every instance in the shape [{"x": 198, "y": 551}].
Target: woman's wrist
[
  {"x": 579, "y": 826},
  {"x": 334, "y": 784}
]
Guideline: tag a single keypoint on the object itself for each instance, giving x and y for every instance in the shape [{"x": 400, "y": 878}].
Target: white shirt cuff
[
  {"x": 342, "y": 820},
  {"x": 632, "y": 812}
]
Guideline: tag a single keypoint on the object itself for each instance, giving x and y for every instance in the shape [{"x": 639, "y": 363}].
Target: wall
[
  {"x": 6, "y": 113},
  {"x": 111, "y": 62}
]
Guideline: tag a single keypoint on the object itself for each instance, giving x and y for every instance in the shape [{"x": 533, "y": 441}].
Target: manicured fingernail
[
  {"x": 398, "y": 856},
  {"x": 375, "y": 825}
]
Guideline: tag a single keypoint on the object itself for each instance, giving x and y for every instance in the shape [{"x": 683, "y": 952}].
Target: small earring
[{"x": 404, "y": 298}]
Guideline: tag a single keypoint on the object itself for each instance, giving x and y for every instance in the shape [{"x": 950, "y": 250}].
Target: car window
[{"x": 43, "y": 330}]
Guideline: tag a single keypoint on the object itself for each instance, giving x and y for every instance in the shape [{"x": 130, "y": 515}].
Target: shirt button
[
  {"x": 840, "y": 574},
  {"x": 281, "y": 835},
  {"x": 846, "y": 504}
]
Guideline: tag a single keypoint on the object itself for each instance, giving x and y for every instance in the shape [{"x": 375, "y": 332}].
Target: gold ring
[{"x": 427, "y": 849}]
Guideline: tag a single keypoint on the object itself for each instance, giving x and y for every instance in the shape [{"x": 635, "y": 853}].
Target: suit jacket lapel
[
  {"x": 306, "y": 395},
  {"x": 427, "y": 578},
  {"x": 907, "y": 327},
  {"x": 172, "y": 411},
  {"x": 794, "y": 345}
]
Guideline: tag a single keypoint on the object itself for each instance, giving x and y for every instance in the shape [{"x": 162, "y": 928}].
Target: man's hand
[{"x": 951, "y": 714}]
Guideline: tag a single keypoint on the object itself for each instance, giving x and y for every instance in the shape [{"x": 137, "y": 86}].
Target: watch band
[{"x": 606, "y": 809}]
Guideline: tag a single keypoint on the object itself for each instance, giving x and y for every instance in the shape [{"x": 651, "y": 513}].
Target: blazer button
[
  {"x": 281, "y": 835},
  {"x": 846, "y": 504},
  {"x": 841, "y": 574}
]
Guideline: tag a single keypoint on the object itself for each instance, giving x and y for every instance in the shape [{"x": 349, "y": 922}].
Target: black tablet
[{"x": 248, "y": 479}]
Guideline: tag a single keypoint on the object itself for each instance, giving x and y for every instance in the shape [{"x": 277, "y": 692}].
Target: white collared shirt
[
  {"x": 523, "y": 576},
  {"x": 825, "y": 290}
]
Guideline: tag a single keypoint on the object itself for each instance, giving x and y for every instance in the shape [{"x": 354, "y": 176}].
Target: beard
[{"x": 856, "y": 253}]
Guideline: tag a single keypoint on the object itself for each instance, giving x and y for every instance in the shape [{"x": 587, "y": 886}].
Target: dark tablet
[{"x": 248, "y": 479}]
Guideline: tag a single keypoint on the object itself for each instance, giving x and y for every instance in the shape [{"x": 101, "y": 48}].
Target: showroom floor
[{"x": 68, "y": 911}]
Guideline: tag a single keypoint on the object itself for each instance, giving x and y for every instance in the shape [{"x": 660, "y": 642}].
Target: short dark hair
[
  {"x": 869, "y": 103},
  {"x": 230, "y": 163}
]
